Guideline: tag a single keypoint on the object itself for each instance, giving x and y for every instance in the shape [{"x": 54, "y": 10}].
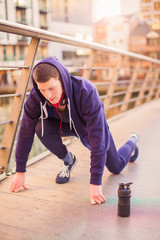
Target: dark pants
[{"x": 116, "y": 160}]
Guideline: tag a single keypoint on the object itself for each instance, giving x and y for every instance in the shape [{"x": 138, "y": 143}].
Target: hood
[{"x": 65, "y": 76}]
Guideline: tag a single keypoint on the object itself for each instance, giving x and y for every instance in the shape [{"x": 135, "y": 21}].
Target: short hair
[{"x": 44, "y": 71}]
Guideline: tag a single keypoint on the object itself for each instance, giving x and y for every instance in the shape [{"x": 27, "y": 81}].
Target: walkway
[{"x": 62, "y": 212}]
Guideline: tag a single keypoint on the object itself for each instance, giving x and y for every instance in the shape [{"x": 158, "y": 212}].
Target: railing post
[
  {"x": 154, "y": 81},
  {"x": 111, "y": 88},
  {"x": 130, "y": 88},
  {"x": 143, "y": 88},
  {"x": 158, "y": 90},
  {"x": 17, "y": 106},
  {"x": 89, "y": 64}
]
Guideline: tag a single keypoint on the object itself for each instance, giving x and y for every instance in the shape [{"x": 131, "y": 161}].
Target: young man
[{"x": 62, "y": 105}]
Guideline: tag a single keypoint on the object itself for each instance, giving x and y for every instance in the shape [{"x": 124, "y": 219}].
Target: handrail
[
  {"x": 20, "y": 29},
  {"x": 130, "y": 89},
  {"x": 5, "y": 122},
  {"x": 9, "y": 95},
  {"x": 7, "y": 67}
]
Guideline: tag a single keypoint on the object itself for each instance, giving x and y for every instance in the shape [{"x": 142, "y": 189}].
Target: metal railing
[{"x": 141, "y": 85}]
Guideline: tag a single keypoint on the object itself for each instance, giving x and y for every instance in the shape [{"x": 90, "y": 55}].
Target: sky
[{"x": 106, "y": 8}]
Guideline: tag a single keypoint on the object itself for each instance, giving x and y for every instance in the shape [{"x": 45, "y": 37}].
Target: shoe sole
[
  {"x": 135, "y": 156},
  {"x": 74, "y": 164}
]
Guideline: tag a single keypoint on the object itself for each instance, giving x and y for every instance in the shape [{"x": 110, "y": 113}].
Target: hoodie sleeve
[
  {"x": 98, "y": 133},
  {"x": 26, "y": 132}
]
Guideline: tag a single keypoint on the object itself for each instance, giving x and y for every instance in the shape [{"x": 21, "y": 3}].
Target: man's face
[{"x": 52, "y": 90}]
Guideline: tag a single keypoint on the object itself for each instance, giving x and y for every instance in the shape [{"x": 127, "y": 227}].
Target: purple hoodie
[{"x": 87, "y": 117}]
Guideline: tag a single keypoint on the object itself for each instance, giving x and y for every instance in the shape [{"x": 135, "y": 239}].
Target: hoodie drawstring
[
  {"x": 69, "y": 110},
  {"x": 42, "y": 117}
]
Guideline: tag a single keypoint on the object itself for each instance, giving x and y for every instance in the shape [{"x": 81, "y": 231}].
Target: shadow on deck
[{"x": 51, "y": 212}]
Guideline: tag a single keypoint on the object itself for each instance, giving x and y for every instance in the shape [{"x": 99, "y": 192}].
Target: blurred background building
[
  {"x": 136, "y": 29},
  {"x": 69, "y": 17},
  {"x": 74, "y": 19}
]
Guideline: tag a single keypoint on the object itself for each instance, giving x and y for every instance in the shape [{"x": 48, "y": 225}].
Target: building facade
[
  {"x": 74, "y": 19},
  {"x": 144, "y": 40},
  {"x": 113, "y": 32},
  {"x": 150, "y": 10},
  {"x": 71, "y": 11},
  {"x": 33, "y": 13},
  {"x": 13, "y": 48},
  {"x": 144, "y": 26},
  {"x": 68, "y": 17}
]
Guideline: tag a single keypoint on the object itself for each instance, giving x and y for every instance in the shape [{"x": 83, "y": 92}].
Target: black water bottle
[{"x": 124, "y": 194}]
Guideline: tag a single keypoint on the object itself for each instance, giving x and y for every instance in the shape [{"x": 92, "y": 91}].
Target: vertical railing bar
[
  {"x": 111, "y": 88},
  {"x": 89, "y": 64},
  {"x": 24, "y": 96},
  {"x": 11, "y": 128},
  {"x": 141, "y": 93},
  {"x": 154, "y": 81},
  {"x": 130, "y": 88},
  {"x": 157, "y": 94}
]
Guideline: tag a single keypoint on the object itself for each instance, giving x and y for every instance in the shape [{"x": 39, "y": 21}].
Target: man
[{"x": 62, "y": 105}]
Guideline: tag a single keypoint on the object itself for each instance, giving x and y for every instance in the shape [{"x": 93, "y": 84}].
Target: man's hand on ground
[
  {"x": 96, "y": 195},
  {"x": 18, "y": 182}
]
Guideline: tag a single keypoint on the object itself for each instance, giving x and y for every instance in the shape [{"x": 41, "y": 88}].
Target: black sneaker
[
  {"x": 64, "y": 174},
  {"x": 135, "y": 155},
  {"x": 134, "y": 138}
]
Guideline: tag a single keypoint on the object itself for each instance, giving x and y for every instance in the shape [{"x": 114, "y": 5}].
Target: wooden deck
[{"x": 50, "y": 211}]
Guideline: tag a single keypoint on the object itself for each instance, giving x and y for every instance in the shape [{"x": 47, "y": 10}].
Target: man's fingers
[
  {"x": 26, "y": 188},
  {"x": 98, "y": 199},
  {"x": 93, "y": 202},
  {"x": 102, "y": 198},
  {"x": 16, "y": 190},
  {"x": 12, "y": 188}
]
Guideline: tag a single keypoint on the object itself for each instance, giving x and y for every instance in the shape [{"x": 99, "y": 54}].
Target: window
[
  {"x": 153, "y": 41},
  {"x": 146, "y": 9},
  {"x": 4, "y": 53},
  {"x": 155, "y": 25},
  {"x": 157, "y": 6},
  {"x": 148, "y": 17},
  {"x": 68, "y": 55},
  {"x": 146, "y": 1},
  {"x": 14, "y": 51},
  {"x": 157, "y": 16},
  {"x": 22, "y": 52},
  {"x": 43, "y": 4},
  {"x": 21, "y": 16}
]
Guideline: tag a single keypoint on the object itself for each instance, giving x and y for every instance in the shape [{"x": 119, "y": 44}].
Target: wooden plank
[
  {"x": 50, "y": 211},
  {"x": 12, "y": 233}
]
